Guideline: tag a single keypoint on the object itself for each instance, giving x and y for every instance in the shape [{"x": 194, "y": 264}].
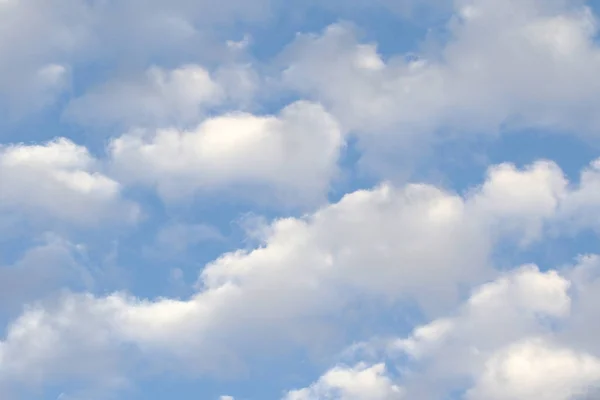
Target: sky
[{"x": 299, "y": 200}]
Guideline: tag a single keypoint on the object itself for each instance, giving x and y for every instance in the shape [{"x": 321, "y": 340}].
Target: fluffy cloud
[
  {"x": 312, "y": 284},
  {"x": 506, "y": 65},
  {"x": 286, "y": 290},
  {"x": 177, "y": 237},
  {"x": 36, "y": 66},
  {"x": 293, "y": 155},
  {"x": 361, "y": 382},
  {"x": 512, "y": 339},
  {"x": 59, "y": 180},
  {"x": 382, "y": 246},
  {"x": 524, "y": 198},
  {"x": 534, "y": 368}
]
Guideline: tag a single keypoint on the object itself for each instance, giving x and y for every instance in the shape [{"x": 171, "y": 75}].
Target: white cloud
[
  {"x": 240, "y": 44},
  {"x": 510, "y": 64},
  {"x": 174, "y": 241},
  {"x": 584, "y": 328},
  {"x": 59, "y": 180},
  {"x": 517, "y": 337},
  {"x": 497, "y": 314},
  {"x": 361, "y": 382},
  {"x": 506, "y": 65},
  {"x": 538, "y": 200},
  {"x": 293, "y": 155},
  {"x": 380, "y": 246},
  {"x": 534, "y": 368}
]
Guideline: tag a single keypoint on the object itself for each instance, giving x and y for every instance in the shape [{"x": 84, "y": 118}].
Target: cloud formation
[
  {"x": 138, "y": 138},
  {"x": 505, "y": 66},
  {"x": 293, "y": 155},
  {"x": 513, "y": 338},
  {"x": 383, "y": 246},
  {"x": 59, "y": 180}
]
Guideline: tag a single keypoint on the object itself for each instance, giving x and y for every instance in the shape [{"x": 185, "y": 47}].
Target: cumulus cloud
[
  {"x": 177, "y": 236},
  {"x": 505, "y": 341},
  {"x": 59, "y": 180},
  {"x": 507, "y": 65},
  {"x": 382, "y": 246},
  {"x": 511, "y": 339},
  {"x": 175, "y": 240},
  {"x": 293, "y": 155},
  {"x": 361, "y": 382}
]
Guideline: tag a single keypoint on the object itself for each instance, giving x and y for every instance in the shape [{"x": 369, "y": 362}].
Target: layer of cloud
[
  {"x": 382, "y": 246},
  {"x": 59, "y": 181},
  {"x": 512, "y": 339}
]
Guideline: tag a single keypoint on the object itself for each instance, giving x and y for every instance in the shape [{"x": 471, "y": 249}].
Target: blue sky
[{"x": 301, "y": 200}]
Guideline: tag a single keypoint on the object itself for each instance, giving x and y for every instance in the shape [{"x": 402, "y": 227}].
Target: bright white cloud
[
  {"x": 36, "y": 38},
  {"x": 293, "y": 155},
  {"x": 538, "y": 200},
  {"x": 361, "y": 382},
  {"x": 59, "y": 180},
  {"x": 514, "y": 338}
]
